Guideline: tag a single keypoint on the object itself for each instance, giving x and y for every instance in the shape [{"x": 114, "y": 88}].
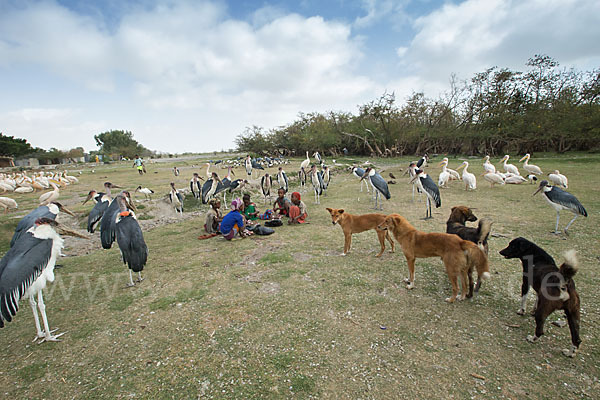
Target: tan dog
[
  {"x": 351, "y": 224},
  {"x": 459, "y": 256}
]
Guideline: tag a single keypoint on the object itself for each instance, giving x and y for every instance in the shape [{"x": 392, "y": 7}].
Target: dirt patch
[{"x": 302, "y": 257}]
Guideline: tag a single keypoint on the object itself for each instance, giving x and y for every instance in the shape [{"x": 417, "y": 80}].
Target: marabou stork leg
[
  {"x": 556, "y": 231},
  {"x": 130, "y": 283},
  {"x": 48, "y": 337},
  {"x": 139, "y": 279},
  {"x": 33, "y": 304},
  {"x": 569, "y": 224}
]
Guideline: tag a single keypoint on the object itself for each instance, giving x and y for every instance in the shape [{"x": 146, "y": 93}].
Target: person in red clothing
[{"x": 297, "y": 211}]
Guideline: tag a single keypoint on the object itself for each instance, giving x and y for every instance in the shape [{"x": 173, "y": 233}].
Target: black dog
[
  {"x": 554, "y": 286},
  {"x": 457, "y": 224}
]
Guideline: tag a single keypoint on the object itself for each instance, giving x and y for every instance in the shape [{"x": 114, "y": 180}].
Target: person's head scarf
[
  {"x": 297, "y": 194},
  {"x": 236, "y": 204}
]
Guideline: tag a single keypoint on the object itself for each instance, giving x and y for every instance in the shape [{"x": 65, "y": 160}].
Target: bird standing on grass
[
  {"x": 509, "y": 167},
  {"x": 49, "y": 197},
  {"x": 561, "y": 200},
  {"x": 27, "y": 267},
  {"x": 147, "y": 192},
  {"x": 266, "y": 182},
  {"x": 532, "y": 169},
  {"x": 379, "y": 186},
  {"x": 7, "y": 203},
  {"x": 428, "y": 186},
  {"x": 559, "y": 179},
  {"x": 176, "y": 199},
  {"x": 282, "y": 179},
  {"x": 50, "y": 211},
  {"x": 102, "y": 200},
  {"x": 130, "y": 239},
  {"x": 316, "y": 180},
  {"x": 195, "y": 186},
  {"x": 468, "y": 178},
  {"x": 108, "y": 229}
]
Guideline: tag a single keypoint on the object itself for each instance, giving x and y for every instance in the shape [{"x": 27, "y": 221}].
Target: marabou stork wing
[
  {"x": 96, "y": 214},
  {"x": 205, "y": 189},
  {"x": 432, "y": 189},
  {"x": 29, "y": 220},
  {"x": 221, "y": 186},
  {"x": 359, "y": 171},
  {"x": 192, "y": 188},
  {"x": 256, "y": 165},
  {"x": 285, "y": 179},
  {"x": 108, "y": 224},
  {"x": 420, "y": 162},
  {"x": 234, "y": 184},
  {"x": 19, "y": 268},
  {"x": 180, "y": 197},
  {"x": 320, "y": 178},
  {"x": 381, "y": 186},
  {"x": 131, "y": 243},
  {"x": 566, "y": 199}
]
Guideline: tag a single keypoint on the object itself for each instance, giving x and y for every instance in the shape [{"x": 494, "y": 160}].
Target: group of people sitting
[{"x": 244, "y": 213}]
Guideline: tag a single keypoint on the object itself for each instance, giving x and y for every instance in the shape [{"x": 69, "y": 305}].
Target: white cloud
[{"x": 476, "y": 34}]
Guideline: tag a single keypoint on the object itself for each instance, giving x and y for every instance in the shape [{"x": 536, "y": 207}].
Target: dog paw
[
  {"x": 461, "y": 297},
  {"x": 343, "y": 254},
  {"x": 521, "y": 312},
  {"x": 450, "y": 299},
  {"x": 532, "y": 339},
  {"x": 410, "y": 286},
  {"x": 570, "y": 352}
]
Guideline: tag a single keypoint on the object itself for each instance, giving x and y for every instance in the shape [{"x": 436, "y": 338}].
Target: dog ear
[
  {"x": 341, "y": 210},
  {"x": 453, "y": 208},
  {"x": 329, "y": 209}
]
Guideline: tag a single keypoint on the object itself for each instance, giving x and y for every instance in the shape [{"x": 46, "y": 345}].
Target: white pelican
[
  {"x": 532, "y": 169},
  {"x": 488, "y": 166},
  {"x": 305, "y": 163},
  {"x": 559, "y": 179},
  {"x": 493, "y": 179},
  {"x": 24, "y": 189},
  {"x": 8, "y": 203},
  {"x": 444, "y": 176},
  {"x": 514, "y": 179},
  {"x": 49, "y": 197},
  {"x": 509, "y": 167},
  {"x": 468, "y": 178}
]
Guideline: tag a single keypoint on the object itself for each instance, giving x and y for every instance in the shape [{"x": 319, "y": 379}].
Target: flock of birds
[{"x": 36, "y": 244}]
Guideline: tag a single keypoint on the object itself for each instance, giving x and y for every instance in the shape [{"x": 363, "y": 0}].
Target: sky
[{"x": 191, "y": 75}]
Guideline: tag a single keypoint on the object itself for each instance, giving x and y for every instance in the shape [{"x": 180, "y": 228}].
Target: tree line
[{"x": 544, "y": 108}]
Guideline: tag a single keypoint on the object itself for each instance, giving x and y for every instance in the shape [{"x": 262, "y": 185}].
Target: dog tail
[
  {"x": 483, "y": 231},
  {"x": 476, "y": 257},
  {"x": 569, "y": 268}
]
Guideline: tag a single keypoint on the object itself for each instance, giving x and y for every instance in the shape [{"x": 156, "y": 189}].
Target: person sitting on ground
[
  {"x": 233, "y": 222},
  {"x": 297, "y": 211},
  {"x": 213, "y": 217},
  {"x": 282, "y": 204},
  {"x": 250, "y": 211}
]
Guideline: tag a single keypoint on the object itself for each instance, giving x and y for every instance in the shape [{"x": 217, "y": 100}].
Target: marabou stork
[
  {"x": 147, "y": 192},
  {"x": 411, "y": 171},
  {"x": 427, "y": 185},
  {"x": 488, "y": 166},
  {"x": 326, "y": 178},
  {"x": 176, "y": 199},
  {"x": 27, "y": 267},
  {"x": 532, "y": 169},
  {"x": 209, "y": 189},
  {"x": 49, "y": 211},
  {"x": 379, "y": 184},
  {"x": 8, "y": 203},
  {"x": 225, "y": 184},
  {"x": 561, "y": 200},
  {"x": 195, "y": 186},
  {"x": 468, "y": 178},
  {"x": 108, "y": 229},
  {"x": 423, "y": 161},
  {"x": 237, "y": 184},
  {"x": 266, "y": 182},
  {"x": 559, "y": 179},
  {"x": 49, "y": 197},
  {"x": 302, "y": 178},
  {"x": 130, "y": 239},
  {"x": 318, "y": 158},
  {"x": 102, "y": 200},
  {"x": 175, "y": 171},
  {"x": 256, "y": 165},
  {"x": 282, "y": 179},
  {"x": 509, "y": 167},
  {"x": 316, "y": 180}
]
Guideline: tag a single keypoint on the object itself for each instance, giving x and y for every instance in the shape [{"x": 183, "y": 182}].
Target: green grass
[{"x": 284, "y": 316}]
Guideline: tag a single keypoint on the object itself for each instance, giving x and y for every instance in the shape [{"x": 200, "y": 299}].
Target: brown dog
[
  {"x": 459, "y": 256},
  {"x": 351, "y": 224},
  {"x": 456, "y": 224}
]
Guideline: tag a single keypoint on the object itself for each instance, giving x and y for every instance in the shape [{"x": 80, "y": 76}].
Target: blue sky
[{"x": 187, "y": 75}]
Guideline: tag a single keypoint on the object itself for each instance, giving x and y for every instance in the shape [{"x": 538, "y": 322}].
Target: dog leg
[
  {"x": 381, "y": 237},
  {"x": 389, "y": 238},
  {"x": 454, "y": 283},
  {"x": 411, "y": 272},
  {"x": 524, "y": 293},
  {"x": 347, "y": 243},
  {"x": 463, "y": 282},
  {"x": 471, "y": 285},
  {"x": 541, "y": 314},
  {"x": 573, "y": 319}
]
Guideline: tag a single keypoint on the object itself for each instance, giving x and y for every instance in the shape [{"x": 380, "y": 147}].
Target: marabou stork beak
[
  {"x": 66, "y": 210},
  {"x": 89, "y": 196},
  {"x": 539, "y": 190},
  {"x": 115, "y": 186},
  {"x": 63, "y": 230},
  {"x": 414, "y": 179},
  {"x": 233, "y": 172},
  {"x": 131, "y": 205},
  {"x": 406, "y": 172}
]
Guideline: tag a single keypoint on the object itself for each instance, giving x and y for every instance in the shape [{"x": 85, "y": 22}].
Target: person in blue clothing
[{"x": 233, "y": 222}]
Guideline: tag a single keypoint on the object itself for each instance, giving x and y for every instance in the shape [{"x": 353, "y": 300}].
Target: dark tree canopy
[
  {"x": 119, "y": 142},
  {"x": 543, "y": 108},
  {"x": 14, "y": 147}
]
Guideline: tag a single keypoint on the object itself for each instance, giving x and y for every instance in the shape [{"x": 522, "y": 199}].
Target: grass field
[{"x": 284, "y": 316}]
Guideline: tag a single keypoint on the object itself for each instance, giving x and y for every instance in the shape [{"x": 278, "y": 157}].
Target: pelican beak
[
  {"x": 461, "y": 166},
  {"x": 66, "y": 210},
  {"x": 441, "y": 163},
  {"x": 522, "y": 158},
  {"x": 63, "y": 230}
]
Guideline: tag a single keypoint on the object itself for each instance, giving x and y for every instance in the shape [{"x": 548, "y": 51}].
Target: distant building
[
  {"x": 6, "y": 161},
  {"x": 27, "y": 162}
]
